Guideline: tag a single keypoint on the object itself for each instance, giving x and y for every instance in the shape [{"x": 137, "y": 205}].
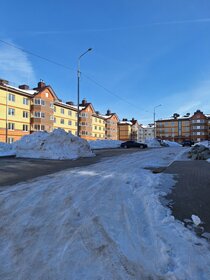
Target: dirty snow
[{"x": 103, "y": 221}]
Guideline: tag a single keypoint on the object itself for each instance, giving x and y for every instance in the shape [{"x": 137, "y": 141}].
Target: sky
[{"x": 144, "y": 53}]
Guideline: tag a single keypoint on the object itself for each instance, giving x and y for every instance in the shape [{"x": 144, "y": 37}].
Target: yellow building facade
[
  {"x": 14, "y": 113},
  {"x": 24, "y": 111}
]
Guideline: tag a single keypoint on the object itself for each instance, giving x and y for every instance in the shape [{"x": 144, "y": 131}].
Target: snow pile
[
  {"x": 152, "y": 143},
  {"x": 55, "y": 145},
  {"x": 101, "y": 144},
  {"x": 171, "y": 143},
  {"x": 203, "y": 143},
  {"x": 6, "y": 149},
  {"x": 103, "y": 221}
]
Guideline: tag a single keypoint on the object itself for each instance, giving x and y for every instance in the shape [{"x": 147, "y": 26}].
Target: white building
[{"x": 146, "y": 132}]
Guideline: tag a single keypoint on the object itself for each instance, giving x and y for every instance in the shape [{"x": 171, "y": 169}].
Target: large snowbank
[
  {"x": 203, "y": 143},
  {"x": 171, "y": 143},
  {"x": 104, "y": 221},
  {"x": 152, "y": 143},
  {"x": 101, "y": 144},
  {"x": 6, "y": 149},
  {"x": 55, "y": 145}
]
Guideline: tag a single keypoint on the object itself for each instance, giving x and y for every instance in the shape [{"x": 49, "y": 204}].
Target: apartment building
[
  {"x": 124, "y": 130},
  {"x": 24, "y": 111},
  {"x": 194, "y": 127},
  {"x": 134, "y": 130},
  {"x": 146, "y": 132},
  {"x": 111, "y": 125},
  {"x": 65, "y": 116},
  {"x": 15, "y": 104},
  {"x": 94, "y": 125}
]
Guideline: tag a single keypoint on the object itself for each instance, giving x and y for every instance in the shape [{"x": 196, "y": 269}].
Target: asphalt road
[
  {"x": 16, "y": 170},
  {"x": 191, "y": 193}
]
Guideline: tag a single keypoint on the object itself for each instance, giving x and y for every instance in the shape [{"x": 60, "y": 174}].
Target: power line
[{"x": 69, "y": 68}]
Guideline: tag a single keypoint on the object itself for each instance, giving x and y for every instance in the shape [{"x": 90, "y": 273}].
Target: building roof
[{"x": 23, "y": 91}]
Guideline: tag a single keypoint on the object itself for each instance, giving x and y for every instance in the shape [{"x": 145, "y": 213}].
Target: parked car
[
  {"x": 187, "y": 143},
  {"x": 133, "y": 144}
]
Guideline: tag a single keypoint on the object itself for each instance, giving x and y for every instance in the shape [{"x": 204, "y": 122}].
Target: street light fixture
[
  {"x": 154, "y": 120},
  {"x": 78, "y": 87}
]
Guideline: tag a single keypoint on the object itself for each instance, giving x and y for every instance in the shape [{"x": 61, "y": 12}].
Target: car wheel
[
  {"x": 125, "y": 146},
  {"x": 141, "y": 147}
]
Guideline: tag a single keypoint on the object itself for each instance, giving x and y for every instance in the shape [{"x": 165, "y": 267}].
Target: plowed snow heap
[{"x": 55, "y": 145}]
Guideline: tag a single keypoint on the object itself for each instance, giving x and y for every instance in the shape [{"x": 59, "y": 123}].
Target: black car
[
  {"x": 187, "y": 143},
  {"x": 133, "y": 144}
]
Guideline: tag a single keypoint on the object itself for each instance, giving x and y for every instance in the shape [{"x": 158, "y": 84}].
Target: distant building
[
  {"x": 128, "y": 130},
  {"x": 124, "y": 130},
  {"x": 146, "y": 132},
  {"x": 178, "y": 128}
]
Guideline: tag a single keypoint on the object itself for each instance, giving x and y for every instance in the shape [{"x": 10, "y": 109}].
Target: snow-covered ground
[{"x": 103, "y": 221}]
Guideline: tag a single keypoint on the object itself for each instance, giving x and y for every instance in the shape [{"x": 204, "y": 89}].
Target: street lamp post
[
  {"x": 154, "y": 120},
  {"x": 78, "y": 87}
]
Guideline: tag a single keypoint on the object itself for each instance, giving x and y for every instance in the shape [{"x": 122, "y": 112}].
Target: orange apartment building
[
  {"x": 178, "y": 129},
  {"x": 24, "y": 111},
  {"x": 128, "y": 130}
]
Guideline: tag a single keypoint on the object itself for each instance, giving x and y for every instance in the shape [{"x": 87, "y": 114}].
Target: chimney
[
  {"x": 124, "y": 120},
  {"x": 70, "y": 102},
  {"x": 4, "y": 82},
  {"x": 84, "y": 102},
  {"x": 41, "y": 84},
  {"x": 108, "y": 112},
  {"x": 97, "y": 113},
  {"x": 23, "y": 86}
]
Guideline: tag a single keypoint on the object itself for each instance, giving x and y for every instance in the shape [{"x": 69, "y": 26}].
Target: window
[
  {"x": 11, "y": 97},
  {"x": 75, "y": 123},
  {"x": 10, "y": 140},
  {"x": 11, "y": 111},
  {"x": 25, "y": 114},
  {"x": 39, "y": 102},
  {"x": 62, "y": 111},
  {"x": 11, "y": 126},
  {"x": 39, "y": 115},
  {"x": 51, "y": 118},
  {"x": 95, "y": 127},
  {"x": 54, "y": 120},
  {"x": 62, "y": 121},
  {"x": 25, "y": 101},
  {"x": 51, "y": 105},
  {"x": 25, "y": 127},
  {"x": 39, "y": 127},
  {"x": 54, "y": 109},
  {"x": 69, "y": 112},
  {"x": 69, "y": 122}
]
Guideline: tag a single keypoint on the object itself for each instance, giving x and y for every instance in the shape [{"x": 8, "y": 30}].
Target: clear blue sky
[{"x": 146, "y": 52}]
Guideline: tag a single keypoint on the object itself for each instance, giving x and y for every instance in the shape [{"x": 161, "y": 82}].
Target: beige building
[{"x": 189, "y": 127}]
